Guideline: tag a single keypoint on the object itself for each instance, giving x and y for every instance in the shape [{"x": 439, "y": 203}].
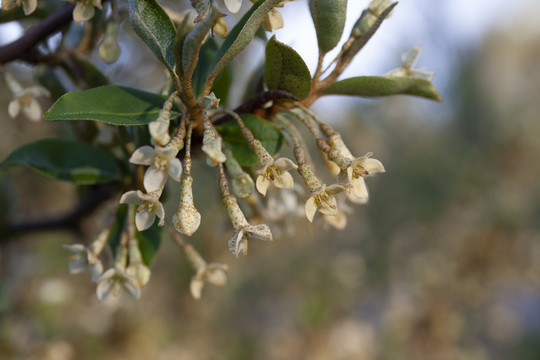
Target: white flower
[
  {"x": 353, "y": 177},
  {"x": 238, "y": 244},
  {"x": 243, "y": 231},
  {"x": 148, "y": 207},
  {"x": 161, "y": 162},
  {"x": 81, "y": 258},
  {"x": 408, "y": 60},
  {"x": 24, "y": 99},
  {"x": 28, "y": 5},
  {"x": 114, "y": 279},
  {"x": 323, "y": 200},
  {"x": 84, "y": 10},
  {"x": 215, "y": 274},
  {"x": 275, "y": 171},
  {"x": 140, "y": 272},
  {"x": 212, "y": 148}
]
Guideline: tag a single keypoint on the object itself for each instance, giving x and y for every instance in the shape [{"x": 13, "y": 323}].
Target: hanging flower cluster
[{"x": 264, "y": 191}]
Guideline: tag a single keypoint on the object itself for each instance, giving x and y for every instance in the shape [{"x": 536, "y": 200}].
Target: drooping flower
[
  {"x": 87, "y": 257},
  {"x": 84, "y": 10},
  {"x": 275, "y": 172},
  {"x": 242, "y": 183},
  {"x": 81, "y": 259},
  {"x": 323, "y": 200},
  {"x": 24, "y": 99},
  {"x": 148, "y": 208},
  {"x": 352, "y": 178},
  {"x": 212, "y": 147},
  {"x": 115, "y": 279},
  {"x": 215, "y": 274},
  {"x": 408, "y": 60},
  {"x": 243, "y": 231},
  {"x": 161, "y": 162},
  {"x": 136, "y": 268}
]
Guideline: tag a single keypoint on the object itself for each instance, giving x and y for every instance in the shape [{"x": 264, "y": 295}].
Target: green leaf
[
  {"x": 116, "y": 105},
  {"x": 72, "y": 161},
  {"x": 329, "y": 19},
  {"x": 183, "y": 29},
  {"x": 149, "y": 241},
  {"x": 155, "y": 28},
  {"x": 370, "y": 86},
  {"x": 266, "y": 132},
  {"x": 285, "y": 70},
  {"x": 240, "y": 36},
  {"x": 221, "y": 85}
]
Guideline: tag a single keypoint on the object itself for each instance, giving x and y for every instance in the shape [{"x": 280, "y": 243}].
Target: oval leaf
[
  {"x": 155, "y": 28},
  {"x": 116, "y": 105},
  {"x": 370, "y": 86},
  {"x": 266, "y": 132},
  {"x": 329, "y": 19},
  {"x": 240, "y": 36},
  {"x": 285, "y": 70},
  {"x": 72, "y": 161}
]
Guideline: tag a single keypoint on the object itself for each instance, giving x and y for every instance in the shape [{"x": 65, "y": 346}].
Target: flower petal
[
  {"x": 334, "y": 189},
  {"x": 216, "y": 274},
  {"x": 285, "y": 164},
  {"x": 14, "y": 108},
  {"x": 96, "y": 269},
  {"x": 144, "y": 219},
  {"x": 82, "y": 12},
  {"x": 131, "y": 197},
  {"x": 373, "y": 166},
  {"x": 233, "y": 5},
  {"x": 262, "y": 184},
  {"x": 175, "y": 169},
  {"x": 32, "y": 110},
  {"x": 131, "y": 286},
  {"x": 195, "y": 287},
  {"x": 29, "y": 6},
  {"x": 260, "y": 232},
  {"x": 284, "y": 181},
  {"x": 143, "y": 156},
  {"x": 154, "y": 179},
  {"x": 311, "y": 208},
  {"x": 359, "y": 190}
]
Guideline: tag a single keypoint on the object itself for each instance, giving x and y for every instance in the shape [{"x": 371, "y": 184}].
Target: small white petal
[
  {"x": 131, "y": 197},
  {"x": 260, "y": 232},
  {"x": 82, "y": 12},
  {"x": 195, "y": 287},
  {"x": 373, "y": 166},
  {"x": 144, "y": 219},
  {"x": 359, "y": 189},
  {"x": 32, "y": 110},
  {"x": 273, "y": 20},
  {"x": 9, "y": 4},
  {"x": 233, "y": 5},
  {"x": 334, "y": 189},
  {"x": 14, "y": 108},
  {"x": 96, "y": 269},
  {"x": 285, "y": 164},
  {"x": 160, "y": 211},
  {"x": 262, "y": 184},
  {"x": 143, "y": 156},
  {"x": 131, "y": 286},
  {"x": 311, "y": 208},
  {"x": 154, "y": 179},
  {"x": 216, "y": 274},
  {"x": 29, "y": 6},
  {"x": 175, "y": 169},
  {"x": 285, "y": 181}
]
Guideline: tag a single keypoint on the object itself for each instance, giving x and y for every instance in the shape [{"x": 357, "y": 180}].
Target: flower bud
[{"x": 186, "y": 219}]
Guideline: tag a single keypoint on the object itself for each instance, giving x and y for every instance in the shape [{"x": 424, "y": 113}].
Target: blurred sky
[{"x": 446, "y": 29}]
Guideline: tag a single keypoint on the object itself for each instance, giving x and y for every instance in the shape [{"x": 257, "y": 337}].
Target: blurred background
[{"x": 443, "y": 263}]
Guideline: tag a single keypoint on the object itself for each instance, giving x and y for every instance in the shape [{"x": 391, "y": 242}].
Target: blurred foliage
[{"x": 444, "y": 263}]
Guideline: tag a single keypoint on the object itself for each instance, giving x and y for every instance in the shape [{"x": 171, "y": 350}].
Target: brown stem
[{"x": 40, "y": 32}]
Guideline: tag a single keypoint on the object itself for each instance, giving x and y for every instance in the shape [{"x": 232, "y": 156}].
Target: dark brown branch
[
  {"x": 68, "y": 221},
  {"x": 257, "y": 102},
  {"x": 40, "y": 32}
]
